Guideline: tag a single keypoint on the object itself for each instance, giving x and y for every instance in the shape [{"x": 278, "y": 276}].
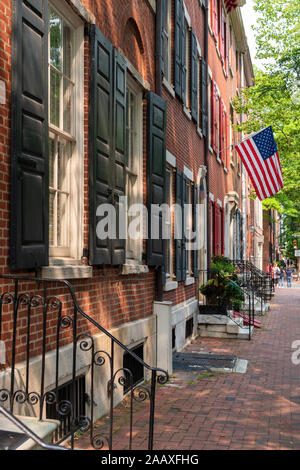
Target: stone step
[
  {"x": 235, "y": 332},
  {"x": 18, "y": 440}
]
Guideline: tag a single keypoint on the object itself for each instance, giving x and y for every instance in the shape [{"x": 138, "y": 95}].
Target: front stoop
[
  {"x": 220, "y": 326},
  {"x": 259, "y": 309},
  {"x": 19, "y": 441}
]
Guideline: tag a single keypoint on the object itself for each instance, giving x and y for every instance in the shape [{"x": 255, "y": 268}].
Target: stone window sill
[
  {"x": 170, "y": 285},
  {"x": 131, "y": 268},
  {"x": 67, "y": 272},
  {"x": 187, "y": 113},
  {"x": 169, "y": 87},
  {"x": 189, "y": 281}
]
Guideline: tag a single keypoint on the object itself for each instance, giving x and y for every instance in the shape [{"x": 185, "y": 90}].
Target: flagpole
[{"x": 245, "y": 138}]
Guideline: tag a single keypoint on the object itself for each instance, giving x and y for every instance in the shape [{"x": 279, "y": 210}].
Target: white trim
[
  {"x": 189, "y": 281},
  {"x": 65, "y": 10},
  {"x": 169, "y": 87},
  {"x": 219, "y": 203},
  {"x": 134, "y": 72},
  {"x": 187, "y": 112},
  {"x": 188, "y": 173},
  {"x": 209, "y": 71},
  {"x": 187, "y": 16},
  {"x": 170, "y": 159},
  {"x": 170, "y": 285},
  {"x": 211, "y": 197}
]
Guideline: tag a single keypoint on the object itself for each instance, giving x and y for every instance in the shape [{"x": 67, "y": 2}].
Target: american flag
[{"x": 260, "y": 157}]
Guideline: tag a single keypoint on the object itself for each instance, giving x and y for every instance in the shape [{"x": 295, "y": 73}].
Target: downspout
[
  {"x": 206, "y": 147},
  {"x": 158, "y": 47},
  {"x": 158, "y": 90}
]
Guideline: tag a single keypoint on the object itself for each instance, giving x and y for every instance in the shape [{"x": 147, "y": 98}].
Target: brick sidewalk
[{"x": 257, "y": 410}]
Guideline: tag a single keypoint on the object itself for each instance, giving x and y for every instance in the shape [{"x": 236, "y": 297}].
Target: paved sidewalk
[{"x": 257, "y": 410}]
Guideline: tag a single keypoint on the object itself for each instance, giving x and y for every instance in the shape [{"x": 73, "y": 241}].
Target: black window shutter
[
  {"x": 195, "y": 226},
  {"x": 119, "y": 152},
  {"x": 178, "y": 46},
  {"x": 185, "y": 188},
  {"x": 184, "y": 66},
  {"x": 101, "y": 145},
  {"x": 194, "y": 77},
  {"x": 161, "y": 17},
  {"x": 29, "y": 245},
  {"x": 204, "y": 97},
  {"x": 180, "y": 241},
  {"x": 156, "y": 173},
  {"x": 107, "y": 143}
]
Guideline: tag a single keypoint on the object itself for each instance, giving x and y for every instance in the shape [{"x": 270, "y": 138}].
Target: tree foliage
[{"x": 274, "y": 99}]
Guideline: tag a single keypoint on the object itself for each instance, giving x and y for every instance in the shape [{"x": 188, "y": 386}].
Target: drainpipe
[
  {"x": 158, "y": 47},
  {"x": 158, "y": 91},
  {"x": 206, "y": 149}
]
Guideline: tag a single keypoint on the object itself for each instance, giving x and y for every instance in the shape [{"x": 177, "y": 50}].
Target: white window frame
[
  {"x": 170, "y": 273},
  {"x": 135, "y": 89},
  {"x": 168, "y": 38},
  {"x": 77, "y": 157}
]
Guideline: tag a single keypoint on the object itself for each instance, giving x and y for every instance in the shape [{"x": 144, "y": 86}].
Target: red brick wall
[{"x": 112, "y": 299}]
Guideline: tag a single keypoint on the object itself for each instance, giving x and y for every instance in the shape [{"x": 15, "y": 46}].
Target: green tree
[{"x": 274, "y": 100}]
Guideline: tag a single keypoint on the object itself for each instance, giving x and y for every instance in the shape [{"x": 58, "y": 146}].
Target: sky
[{"x": 249, "y": 18}]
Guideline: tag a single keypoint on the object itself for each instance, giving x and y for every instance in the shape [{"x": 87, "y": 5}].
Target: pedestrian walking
[
  {"x": 275, "y": 272},
  {"x": 281, "y": 277},
  {"x": 289, "y": 273}
]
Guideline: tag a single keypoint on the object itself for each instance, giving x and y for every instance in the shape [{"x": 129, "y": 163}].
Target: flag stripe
[
  {"x": 251, "y": 173},
  {"x": 278, "y": 165},
  {"x": 254, "y": 163},
  {"x": 272, "y": 164},
  {"x": 266, "y": 181},
  {"x": 260, "y": 157}
]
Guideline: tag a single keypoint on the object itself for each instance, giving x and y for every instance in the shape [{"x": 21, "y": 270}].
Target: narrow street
[{"x": 256, "y": 410}]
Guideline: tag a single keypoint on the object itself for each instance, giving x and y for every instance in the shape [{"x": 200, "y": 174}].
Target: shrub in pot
[{"x": 223, "y": 289}]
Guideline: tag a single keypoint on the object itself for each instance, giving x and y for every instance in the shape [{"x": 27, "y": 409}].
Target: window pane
[
  {"x": 51, "y": 161},
  {"x": 51, "y": 218},
  {"x": 54, "y": 97},
  {"x": 68, "y": 55},
  {"x": 55, "y": 40},
  {"x": 62, "y": 219},
  {"x": 68, "y": 93},
  {"x": 62, "y": 170}
]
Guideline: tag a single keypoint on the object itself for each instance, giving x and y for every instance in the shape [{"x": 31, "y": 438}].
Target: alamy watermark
[
  {"x": 133, "y": 222},
  {"x": 296, "y": 353}
]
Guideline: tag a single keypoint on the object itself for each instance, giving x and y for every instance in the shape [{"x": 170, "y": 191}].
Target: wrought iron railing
[
  {"x": 256, "y": 280},
  {"x": 47, "y": 336},
  {"x": 27, "y": 432},
  {"x": 226, "y": 308}
]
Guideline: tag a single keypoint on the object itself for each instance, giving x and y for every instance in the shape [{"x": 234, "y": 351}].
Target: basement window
[
  {"x": 173, "y": 338},
  {"x": 135, "y": 367},
  {"x": 189, "y": 327},
  {"x": 65, "y": 393}
]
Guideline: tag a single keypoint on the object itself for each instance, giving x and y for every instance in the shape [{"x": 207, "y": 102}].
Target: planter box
[{"x": 213, "y": 310}]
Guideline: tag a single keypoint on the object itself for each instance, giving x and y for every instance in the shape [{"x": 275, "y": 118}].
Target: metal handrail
[
  {"x": 136, "y": 392},
  {"x": 29, "y": 433},
  {"x": 87, "y": 317}
]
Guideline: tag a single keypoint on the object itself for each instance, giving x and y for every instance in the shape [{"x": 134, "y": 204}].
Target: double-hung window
[
  {"x": 170, "y": 239},
  {"x": 134, "y": 167},
  {"x": 166, "y": 28},
  {"x": 65, "y": 130},
  {"x": 188, "y": 213}
]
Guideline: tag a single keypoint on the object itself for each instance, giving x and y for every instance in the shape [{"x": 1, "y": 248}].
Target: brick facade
[{"x": 109, "y": 297}]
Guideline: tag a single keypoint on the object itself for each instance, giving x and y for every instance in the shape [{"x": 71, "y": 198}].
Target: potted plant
[{"x": 222, "y": 290}]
